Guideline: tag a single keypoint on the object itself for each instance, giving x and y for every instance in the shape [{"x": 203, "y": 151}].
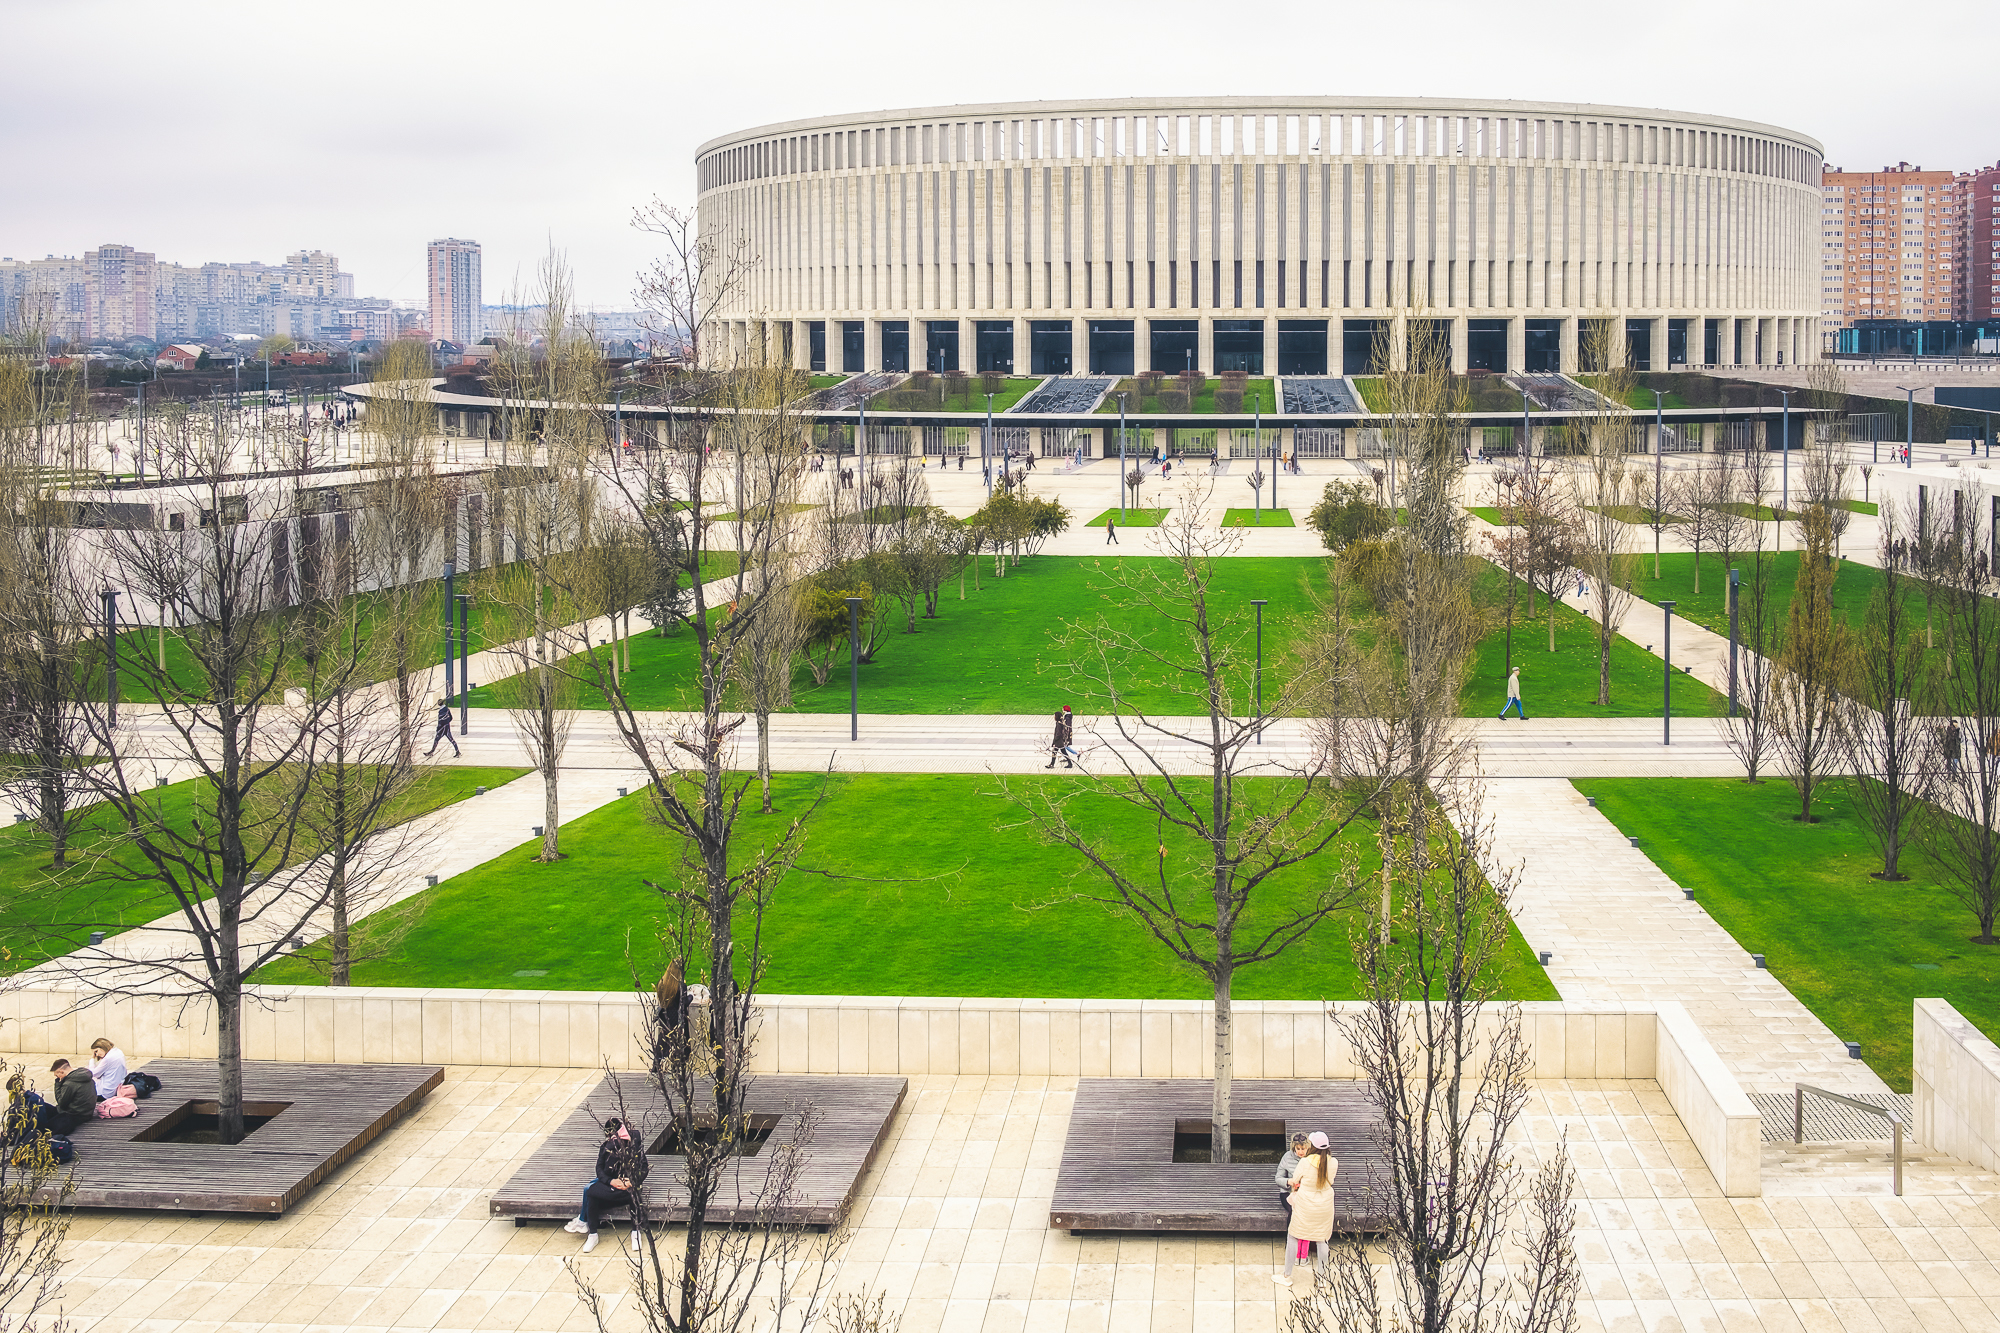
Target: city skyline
[{"x": 383, "y": 148}]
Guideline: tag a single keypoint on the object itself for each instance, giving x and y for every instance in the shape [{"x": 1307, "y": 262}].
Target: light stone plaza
[{"x": 1530, "y": 405}]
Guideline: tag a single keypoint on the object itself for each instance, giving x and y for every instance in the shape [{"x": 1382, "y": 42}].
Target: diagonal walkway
[{"x": 1619, "y": 929}]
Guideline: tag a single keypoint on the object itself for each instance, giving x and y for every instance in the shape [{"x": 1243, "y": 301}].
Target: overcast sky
[{"x": 226, "y": 131}]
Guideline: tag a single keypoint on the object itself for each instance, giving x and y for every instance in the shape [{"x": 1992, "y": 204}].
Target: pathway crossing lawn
[
  {"x": 1856, "y": 951},
  {"x": 1564, "y": 683},
  {"x": 930, "y": 887},
  {"x": 1853, "y": 585},
  {"x": 44, "y": 913}
]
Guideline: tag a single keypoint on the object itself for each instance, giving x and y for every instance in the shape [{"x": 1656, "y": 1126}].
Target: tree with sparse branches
[
  {"x": 1600, "y": 481},
  {"x": 1810, "y": 682},
  {"x": 1885, "y": 745}
]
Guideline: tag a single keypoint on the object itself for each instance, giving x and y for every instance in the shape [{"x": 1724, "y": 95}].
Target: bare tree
[
  {"x": 1750, "y": 733},
  {"x": 1809, "y": 687},
  {"x": 1241, "y": 835},
  {"x": 250, "y": 869},
  {"x": 1885, "y": 748},
  {"x": 35, "y": 1196},
  {"x": 1963, "y": 831},
  {"x": 1600, "y": 483},
  {"x": 1447, "y": 1068}
]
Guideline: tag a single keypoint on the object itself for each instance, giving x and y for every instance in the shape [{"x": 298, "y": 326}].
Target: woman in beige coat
[{"x": 1312, "y": 1208}]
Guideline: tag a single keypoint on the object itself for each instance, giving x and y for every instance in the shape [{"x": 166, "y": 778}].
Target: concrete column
[
  {"x": 1566, "y": 340},
  {"x": 801, "y": 346},
  {"x": 1204, "y": 356},
  {"x": 871, "y": 344},
  {"x": 1142, "y": 343},
  {"x": 968, "y": 346},
  {"x": 1270, "y": 328},
  {"x": 1023, "y": 358},
  {"x": 1517, "y": 343},
  {"x": 1660, "y": 358},
  {"x": 1460, "y": 354}
]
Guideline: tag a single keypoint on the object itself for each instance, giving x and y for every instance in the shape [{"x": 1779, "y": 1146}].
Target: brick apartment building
[
  {"x": 1889, "y": 244},
  {"x": 1979, "y": 244}
]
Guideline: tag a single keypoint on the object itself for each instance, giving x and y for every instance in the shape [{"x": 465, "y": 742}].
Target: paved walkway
[
  {"x": 1620, "y": 929},
  {"x": 953, "y": 1225}
]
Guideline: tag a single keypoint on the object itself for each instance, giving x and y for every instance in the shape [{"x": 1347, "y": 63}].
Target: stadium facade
[{"x": 1272, "y": 235}]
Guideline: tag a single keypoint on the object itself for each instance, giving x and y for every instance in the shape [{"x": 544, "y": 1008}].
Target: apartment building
[
  {"x": 1889, "y": 243},
  {"x": 1979, "y": 244},
  {"x": 456, "y": 313},
  {"x": 120, "y": 284}
]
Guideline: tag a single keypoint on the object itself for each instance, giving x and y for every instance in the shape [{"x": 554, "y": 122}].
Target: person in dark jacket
[
  {"x": 76, "y": 1099},
  {"x": 1062, "y": 746},
  {"x": 676, "y": 1006},
  {"x": 621, "y": 1166},
  {"x": 443, "y": 735}
]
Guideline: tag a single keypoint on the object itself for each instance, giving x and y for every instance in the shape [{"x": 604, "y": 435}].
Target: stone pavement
[
  {"x": 1620, "y": 929},
  {"x": 953, "y": 1224}
]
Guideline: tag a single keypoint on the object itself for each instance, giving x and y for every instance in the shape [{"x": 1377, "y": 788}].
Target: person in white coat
[
  {"x": 107, "y": 1067},
  {"x": 1514, "y": 696},
  {"x": 1312, "y": 1208}
]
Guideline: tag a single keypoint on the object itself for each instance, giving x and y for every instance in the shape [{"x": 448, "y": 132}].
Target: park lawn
[
  {"x": 1564, "y": 683},
  {"x": 1257, "y": 518},
  {"x": 45, "y": 913},
  {"x": 1636, "y": 397},
  {"x": 1637, "y": 515},
  {"x": 1762, "y": 513},
  {"x": 1490, "y": 513},
  {"x": 1012, "y": 390},
  {"x": 1868, "y": 507},
  {"x": 1854, "y": 583},
  {"x": 908, "y": 884},
  {"x": 1854, "y": 950},
  {"x": 825, "y": 381},
  {"x": 1259, "y": 395},
  {"x": 1133, "y": 518},
  {"x": 1010, "y": 646}
]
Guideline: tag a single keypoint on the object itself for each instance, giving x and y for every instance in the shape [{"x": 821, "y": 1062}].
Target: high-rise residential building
[
  {"x": 119, "y": 287},
  {"x": 456, "y": 314},
  {"x": 46, "y": 294},
  {"x": 1888, "y": 244},
  {"x": 1979, "y": 244}
]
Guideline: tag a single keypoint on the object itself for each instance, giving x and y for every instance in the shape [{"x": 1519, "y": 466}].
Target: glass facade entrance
[
  {"x": 1543, "y": 352},
  {"x": 1486, "y": 345},
  {"x": 1639, "y": 344},
  {"x": 816, "y": 344},
  {"x": 853, "y": 346},
  {"x": 1048, "y": 346},
  {"x": 995, "y": 345},
  {"x": 1357, "y": 345},
  {"x": 896, "y": 345},
  {"x": 1239, "y": 345},
  {"x": 1302, "y": 347},
  {"x": 1111, "y": 347},
  {"x": 1176, "y": 345},
  {"x": 941, "y": 344}
]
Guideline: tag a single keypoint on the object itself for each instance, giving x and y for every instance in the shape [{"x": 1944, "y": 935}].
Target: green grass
[
  {"x": 1762, "y": 513},
  {"x": 1639, "y": 515},
  {"x": 1868, "y": 507},
  {"x": 761, "y": 513},
  {"x": 935, "y": 892},
  {"x": 1008, "y": 648},
  {"x": 825, "y": 381},
  {"x": 1564, "y": 683},
  {"x": 1491, "y": 513},
  {"x": 1258, "y": 395},
  {"x": 1854, "y": 950},
  {"x": 1636, "y": 397},
  {"x": 1853, "y": 585},
  {"x": 1012, "y": 390},
  {"x": 1482, "y": 394},
  {"x": 44, "y": 913},
  {"x": 1134, "y": 518},
  {"x": 1257, "y": 518}
]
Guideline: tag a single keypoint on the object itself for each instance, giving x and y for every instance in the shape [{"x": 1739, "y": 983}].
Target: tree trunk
[
  {"x": 229, "y": 1038},
  {"x": 764, "y": 755},
  {"x": 1225, "y": 1066}
]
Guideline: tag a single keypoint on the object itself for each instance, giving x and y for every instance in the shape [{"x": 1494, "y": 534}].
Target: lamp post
[
  {"x": 111, "y": 654},
  {"x": 464, "y": 600},
  {"x": 1121, "y": 458},
  {"x": 986, "y": 448},
  {"x": 860, "y": 453},
  {"x": 853, "y": 668},
  {"x": 1910, "y": 424},
  {"x": 618, "y": 428},
  {"x": 450, "y": 604},
  {"x": 1259, "y": 603},
  {"x": 1667, "y": 678},
  {"x": 1785, "y": 466},
  {"x": 1659, "y": 456},
  {"x": 1735, "y": 584}
]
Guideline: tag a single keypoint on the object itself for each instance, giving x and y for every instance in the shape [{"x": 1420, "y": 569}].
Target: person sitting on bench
[
  {"x": 76, "y": 1099},
  {"x": 621, "y": 1165}
]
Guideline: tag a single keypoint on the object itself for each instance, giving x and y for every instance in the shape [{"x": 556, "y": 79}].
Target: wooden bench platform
[
  {"x": 330, "y": 1113},
  {"x": 1118, "y": 1171},
  {"x": 852, "y": 1115}
]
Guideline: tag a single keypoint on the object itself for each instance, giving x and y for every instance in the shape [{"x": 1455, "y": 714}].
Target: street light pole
[
  {"x": 1785, "y": 467},
  {"x": 1659, "y": 456},
  {"x": 1735, "y": 584},
  {"x": 860, "y": 453},
  {"x": 853, "y": 668},
  {"x": 464, "y": 660},
  {"x": 1121, "y": 458},
  {"x": 1667, "y": 679},
  {"x": 450, "y": 605},
  {"x": 1259, "y": 603},
  {"x": 986, "y": 448},
  {"x": 1910, "y": 424}
]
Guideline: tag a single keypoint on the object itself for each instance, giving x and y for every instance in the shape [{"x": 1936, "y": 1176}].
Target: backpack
[
  {"x": 143, "y": 1084},
  {"x": 61, "y": 1149},
  {"x": 116, "y": 1108}
]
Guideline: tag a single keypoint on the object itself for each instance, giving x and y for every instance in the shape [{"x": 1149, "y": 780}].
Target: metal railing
[{"x": 1799, "y": 1091}]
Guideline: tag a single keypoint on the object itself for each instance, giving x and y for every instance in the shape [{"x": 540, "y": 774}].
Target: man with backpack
[{"x": 76, "y": 1099}]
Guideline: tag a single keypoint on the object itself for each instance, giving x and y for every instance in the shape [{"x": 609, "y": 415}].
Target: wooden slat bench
[
  {"x": 1118, "y": 1171},
  {"x": 330, "y": 1113},
  {"x": 852, "y": 1117}
]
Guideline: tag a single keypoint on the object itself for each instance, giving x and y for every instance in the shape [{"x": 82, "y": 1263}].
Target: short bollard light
[
  {"x": 1633, "y": 841},
  {"x": 431, "y": 880},
  {"x": 538, "y": 830},
  {"x": 1592, "y": 800},
  {"x": 1688, "y": 894},
  {"x": 479, "y": 791},
  {"x": 1544, "y": 956},
  {"x": 97, "y": 937},
  {"x": 1853, "y": 1049},
  {"x": 621, "y": 791},
  {"x": 1758, "y": 959},
  {"x": 20, "y": 818}
]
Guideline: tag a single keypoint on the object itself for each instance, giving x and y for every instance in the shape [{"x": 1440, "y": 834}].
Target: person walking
[
  {"x": 1954, "y": 740},
  {"x": 1110, "y": 530},
  {"x": 1311, "y": 1183},
  {"x": 1513, "y": 696},
  {"x": 443, "y": 732},
  {"x": 1062, "y": 746}
]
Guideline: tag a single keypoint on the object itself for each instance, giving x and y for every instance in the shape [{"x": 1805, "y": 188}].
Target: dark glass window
[
  {"x": 1176, "y": 345},
  {"x": 1302, "y": 347},
  {"x": 896, "y": 345},
  {"x": 1111, "y": 347},
  {"x": 994, "y": 345},
  {"x": 1239, "y": 345},
  {"x": 1049, "y": 346},
  {"x": 941, "y": 344}
]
